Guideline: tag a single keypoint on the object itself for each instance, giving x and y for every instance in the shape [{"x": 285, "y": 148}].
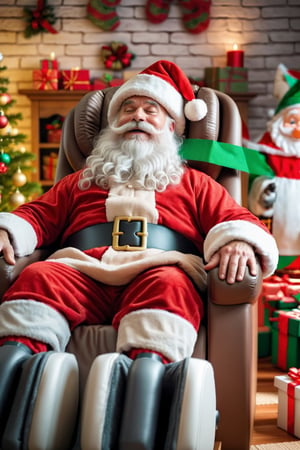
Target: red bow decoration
[
  {"x": 40, "y": 20},
  {"x": 294, "y": 374}
]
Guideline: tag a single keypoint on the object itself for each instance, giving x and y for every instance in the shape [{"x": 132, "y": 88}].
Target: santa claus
[
  {"x": 277, "y": 197},
  {"x": 155, "y": 220}
]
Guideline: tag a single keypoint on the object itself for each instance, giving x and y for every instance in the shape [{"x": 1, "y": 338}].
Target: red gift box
[
  {"x": 45, "y": 79},
  {"x": 76, "y": 79},
  {"x": 98, "y": 85}
]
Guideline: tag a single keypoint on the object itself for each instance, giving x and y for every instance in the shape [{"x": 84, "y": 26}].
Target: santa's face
[
  {"x": 285, "y": 131},
  {"x": 291, "y": 122},
  {"x": 140, "y": 118}
]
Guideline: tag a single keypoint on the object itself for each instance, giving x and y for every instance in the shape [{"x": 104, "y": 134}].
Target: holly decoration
[
  {"x": 116, "y": 56},
  {"x": 40, "y": 19}
]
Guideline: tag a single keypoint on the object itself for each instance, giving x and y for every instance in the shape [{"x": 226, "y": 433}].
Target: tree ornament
[
  {"x": 3, "y": 168},
  {"x": 116, "y": 56},
  {"x": 3, "y": 120},
  {"x": 16, "y": 199},
  {"x": 5, "y": 99},
  {"x": 40, "y": 19},
  {"x": 19, "y": 178},
  {"x": 5, "y": 158},
  {"x": 103, "y": 13}
]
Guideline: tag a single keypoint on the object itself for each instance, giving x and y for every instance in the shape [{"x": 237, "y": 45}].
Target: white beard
[
  {"x": 281, "y": 137},
  {"x": 150, "y": 165}
]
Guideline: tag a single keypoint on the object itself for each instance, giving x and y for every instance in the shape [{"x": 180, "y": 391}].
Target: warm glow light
[
  {"x": 235, "y": 47},
  {"x": 52, "y": 56}
]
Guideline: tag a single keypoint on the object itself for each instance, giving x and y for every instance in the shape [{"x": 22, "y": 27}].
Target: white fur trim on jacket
[
  {"x": 35, "y": 320},
  {"x": 119, "y": 268},
  {"x": 22, "y": 234},
  {"x": 264, "y": 243},
  {"x": 158, "y": 330}
]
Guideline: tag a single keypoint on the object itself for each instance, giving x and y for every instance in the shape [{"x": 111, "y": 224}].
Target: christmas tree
[{"x": 15, "y": 189}]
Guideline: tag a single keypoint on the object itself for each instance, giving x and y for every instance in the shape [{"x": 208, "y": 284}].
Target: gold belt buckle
[{"x": 116, "y": 233}]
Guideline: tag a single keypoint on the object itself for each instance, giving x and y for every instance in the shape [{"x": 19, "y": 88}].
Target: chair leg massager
[{"x": 127, "y": 404}]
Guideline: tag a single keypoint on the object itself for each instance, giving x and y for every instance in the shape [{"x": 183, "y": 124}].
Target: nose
[
  {"x": 296, "y": 133},
  {"x": 139, "y": 115}
]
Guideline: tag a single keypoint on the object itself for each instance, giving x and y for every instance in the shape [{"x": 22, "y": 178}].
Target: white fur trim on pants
[
  {"x": 35, "y": 320},
  {"x": 158, "y": 330},
  {"x": 263, "y": 243}
]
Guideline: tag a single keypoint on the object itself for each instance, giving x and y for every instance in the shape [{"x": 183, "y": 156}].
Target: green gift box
[
  {"x": 232, "y": 80},
  {"x": 286, "y": 339},
  {"x": 264, "y": 341}
]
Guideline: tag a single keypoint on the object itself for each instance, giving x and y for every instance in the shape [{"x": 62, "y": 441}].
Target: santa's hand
[
  {"x": 6, "y": 248},
  {"x": 232, "y": 259}
]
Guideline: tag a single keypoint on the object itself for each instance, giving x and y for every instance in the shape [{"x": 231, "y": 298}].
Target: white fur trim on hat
[{"x": 264, "y": 243}]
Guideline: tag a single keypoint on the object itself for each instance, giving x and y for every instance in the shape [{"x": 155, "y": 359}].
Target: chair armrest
[
  {"x": 8, "y": 273},
  {"x": 245, "y": 291}
]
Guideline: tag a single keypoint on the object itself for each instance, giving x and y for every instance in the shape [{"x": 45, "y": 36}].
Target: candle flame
[
  {"x": 235, "y": 47},
  {"x": 52, "y": 56}
]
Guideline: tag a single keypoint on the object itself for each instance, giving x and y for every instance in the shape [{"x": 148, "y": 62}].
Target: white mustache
[{"x": 133, "y": 125}]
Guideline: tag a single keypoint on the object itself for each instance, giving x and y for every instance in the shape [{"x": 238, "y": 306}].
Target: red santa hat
[{"x": 166, "y": 83}]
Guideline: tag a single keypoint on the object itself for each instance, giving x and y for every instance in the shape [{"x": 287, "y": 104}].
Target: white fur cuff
[
  {"x": 264, "y": 243},
  {"x": 22, "y": 234},
  {"x": 158, "y": 330},
  {"x": 35, "y": 320}
]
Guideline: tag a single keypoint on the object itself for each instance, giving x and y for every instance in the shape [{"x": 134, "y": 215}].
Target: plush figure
[
  {"x": 277, "y": 198},
  {"x": 284, "y": 79}
]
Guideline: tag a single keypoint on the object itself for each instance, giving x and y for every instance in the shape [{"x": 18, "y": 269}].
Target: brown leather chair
[{"x": 228, "y": 338}]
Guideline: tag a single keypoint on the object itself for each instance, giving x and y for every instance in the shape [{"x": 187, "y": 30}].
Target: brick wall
[{"x": 268, "y": 31}]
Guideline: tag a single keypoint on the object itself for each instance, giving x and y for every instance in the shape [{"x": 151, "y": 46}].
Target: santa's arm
[{"x": 262, "y": 242}]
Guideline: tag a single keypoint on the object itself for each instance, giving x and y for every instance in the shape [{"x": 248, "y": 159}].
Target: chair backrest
[{"x": 84, "y": 122}]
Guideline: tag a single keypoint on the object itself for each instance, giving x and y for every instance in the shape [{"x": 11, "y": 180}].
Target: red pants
[{"x": 82, "y": 300}]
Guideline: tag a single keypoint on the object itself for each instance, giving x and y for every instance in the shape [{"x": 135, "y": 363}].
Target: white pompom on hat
[{"x": 166, "y": 83}]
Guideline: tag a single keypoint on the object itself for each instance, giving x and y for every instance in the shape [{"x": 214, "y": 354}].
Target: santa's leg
[
  {"x": 38, "y": 312},
  {"x": 160, "y": 312}
]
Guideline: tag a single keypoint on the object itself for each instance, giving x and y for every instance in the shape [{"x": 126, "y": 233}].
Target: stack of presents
[
  {"x": 49, "y": 77},
  {"x": 279, "y": 337}
]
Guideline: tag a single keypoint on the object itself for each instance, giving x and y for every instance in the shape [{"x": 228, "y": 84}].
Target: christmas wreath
[
  {"x": 116, "y": 56},
  {"x": 40, "y": 19}
]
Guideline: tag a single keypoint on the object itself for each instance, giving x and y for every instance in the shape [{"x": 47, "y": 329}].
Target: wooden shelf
[{"x": 44, "y": 104}]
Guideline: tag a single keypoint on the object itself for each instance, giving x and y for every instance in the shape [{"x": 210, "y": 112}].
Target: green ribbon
[
  {"x": 227, "y": 155},
  {"x": 285, "y": 261}
]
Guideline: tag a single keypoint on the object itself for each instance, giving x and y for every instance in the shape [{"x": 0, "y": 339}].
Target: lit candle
[
  {"x": 52, "y": 56},
  {"x": 235, "y": 57}
]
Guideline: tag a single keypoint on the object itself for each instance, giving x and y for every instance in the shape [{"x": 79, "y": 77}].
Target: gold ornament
[
  {"x": 16, "y": 199},
  {"x": 19, "y": 178}
]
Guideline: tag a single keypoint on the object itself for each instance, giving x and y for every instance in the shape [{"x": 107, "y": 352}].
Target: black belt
[{"x": 130, "y": 233}]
